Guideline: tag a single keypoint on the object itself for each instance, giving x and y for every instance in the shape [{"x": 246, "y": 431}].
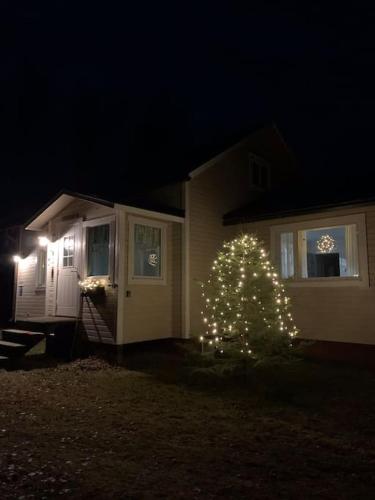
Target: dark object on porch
[{"x": 59, "y": 343}]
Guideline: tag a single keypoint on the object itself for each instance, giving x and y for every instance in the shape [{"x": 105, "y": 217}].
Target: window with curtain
[
  {"x": 147, "y": 251},
  {"x": 287, "y": 255},
  {"x": 97, "y": 242},
  {"x": 325, "y": 249},
  {"x": 329, "y": 252}
]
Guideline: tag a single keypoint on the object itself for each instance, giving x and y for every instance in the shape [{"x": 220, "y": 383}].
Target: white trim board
[{"x": 150, "y": 213}]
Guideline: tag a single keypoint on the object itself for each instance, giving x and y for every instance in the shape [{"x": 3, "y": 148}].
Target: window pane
[
  {"x": 68, "y": 251},
  {"x": 147, "y": 251},
  {"x": 256, "y": 173},
  {"x": 329, "y": 252},
  {"x": 42, "y": 267},
  {"x": 98, "y": 250},
  {"x": 264, "y": 177},
  {"x": 287, "y": 255}
]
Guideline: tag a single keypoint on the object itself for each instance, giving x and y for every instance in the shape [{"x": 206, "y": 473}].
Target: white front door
[{"x": 67, "y": 296}]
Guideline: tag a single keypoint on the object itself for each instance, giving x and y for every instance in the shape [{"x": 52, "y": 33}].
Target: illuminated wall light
[
  {"x": 16, "y": 259},
  {"x": 43, "y": 241}
]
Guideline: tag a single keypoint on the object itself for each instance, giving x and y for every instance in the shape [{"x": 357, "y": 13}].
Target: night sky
[{"x": 108, "y": 92}]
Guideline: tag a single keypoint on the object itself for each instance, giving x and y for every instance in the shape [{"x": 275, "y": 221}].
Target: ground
[{"x": 155, "y": 428}]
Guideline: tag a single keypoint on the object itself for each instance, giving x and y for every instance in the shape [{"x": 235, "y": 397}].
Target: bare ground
[{"x": 154, "y": 429}]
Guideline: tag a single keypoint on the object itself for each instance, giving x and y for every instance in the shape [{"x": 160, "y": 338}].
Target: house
[{"x": 149, "y": 257}]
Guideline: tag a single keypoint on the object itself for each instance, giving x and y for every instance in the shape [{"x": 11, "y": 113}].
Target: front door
[{"x": 67, "y": 296}]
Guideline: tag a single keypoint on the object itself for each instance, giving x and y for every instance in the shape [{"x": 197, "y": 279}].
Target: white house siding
[
  {"x": 221, "y": 188},
  {"x": 30, "y": 302},
  {"x": 153, "y": 311},
  {"x": 342, "y": 314},
  {"x": 98, "y": 313},
  {"x": 98, "y": 316}
]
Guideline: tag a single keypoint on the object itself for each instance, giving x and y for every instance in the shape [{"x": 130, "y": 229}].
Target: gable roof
[
  {"x": 265, "y": 141},
  {"x": 114, "y": 189}
]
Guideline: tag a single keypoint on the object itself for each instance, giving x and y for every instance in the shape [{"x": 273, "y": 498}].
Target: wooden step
[
  {"x": 11, "y": 349},
  {"x": 26, "y": 332},
  {"x": 26, "y": 337}
]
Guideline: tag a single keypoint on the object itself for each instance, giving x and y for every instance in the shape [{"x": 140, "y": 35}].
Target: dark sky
[{"x": 92, "y": 92}]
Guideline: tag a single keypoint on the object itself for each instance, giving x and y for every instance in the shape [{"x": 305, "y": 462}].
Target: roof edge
[
  {"x": 209, "y": 163},
  {"x": 229, "y": 220},
  {"x": 58, "y": 195}
]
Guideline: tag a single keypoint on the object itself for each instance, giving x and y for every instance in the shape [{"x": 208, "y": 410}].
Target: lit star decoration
[
  {"x": 325, "y": 244},
  {"x": 246, "y": 307}
]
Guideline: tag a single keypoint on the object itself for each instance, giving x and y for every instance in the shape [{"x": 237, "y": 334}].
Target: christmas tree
[{"x": 246, "y": 309}]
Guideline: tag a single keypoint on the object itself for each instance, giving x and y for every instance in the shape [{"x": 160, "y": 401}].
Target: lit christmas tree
[{"x": 246, "y": 308}]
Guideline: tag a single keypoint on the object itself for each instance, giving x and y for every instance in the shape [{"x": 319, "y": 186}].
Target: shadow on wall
[
  {"x": 10, "y": 245},
  {"x": 6, "y": 287},
  {"x": 99, "y": 316}
]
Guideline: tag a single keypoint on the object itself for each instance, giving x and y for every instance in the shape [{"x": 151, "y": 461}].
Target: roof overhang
[
  {"x": 237, "y": 218},
  {"x": 55, "y": 206}
]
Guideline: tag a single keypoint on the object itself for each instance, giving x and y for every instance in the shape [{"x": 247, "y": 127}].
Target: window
[
  {"x": 287, "y": 255},
  {"x": 97, "y": 241},
  {"x": 322, "y": 251},
  {"x": 147, "y": 251},
  {"x": 41, "y": 269},
  {"x": 99, "y": 244},
  {"x": 259, "y": 173},
  {"x": 331, "y": 251},
  {"x": 68, "y": 253}
]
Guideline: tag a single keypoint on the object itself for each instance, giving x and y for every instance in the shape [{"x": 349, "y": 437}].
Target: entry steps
[{"x": 15, "y": 343}]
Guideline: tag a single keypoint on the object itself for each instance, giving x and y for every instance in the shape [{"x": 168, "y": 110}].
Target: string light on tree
[
  {"x": 245, "y": 305},
  {"x": 325, "y": 244}
]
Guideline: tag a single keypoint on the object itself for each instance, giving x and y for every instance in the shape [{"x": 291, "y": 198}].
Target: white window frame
[
  {"x": 263, "y": 164},
  {"x": 147, "y": 280},
  {"x": 102, "y": 221},
  {"x": 334, "y": 281},
  {"x": 38, "y": 285}
]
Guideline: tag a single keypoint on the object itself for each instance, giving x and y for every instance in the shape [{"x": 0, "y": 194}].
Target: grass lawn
[{"x": 157, "y": 429}]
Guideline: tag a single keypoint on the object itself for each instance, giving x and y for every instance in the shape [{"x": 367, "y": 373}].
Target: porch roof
[{"x": 65, "y": 197}]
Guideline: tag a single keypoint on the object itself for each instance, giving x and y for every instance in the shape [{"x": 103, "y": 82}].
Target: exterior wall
[
  {"x": 222, "y": 187},
  {"x": 98, "y": 313},
  {"x": 151, "y": 311},
  {"x": 168, "y": 196},
  {"x": 331, "y": 313},
  {"x": 30, "y": 302}
]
